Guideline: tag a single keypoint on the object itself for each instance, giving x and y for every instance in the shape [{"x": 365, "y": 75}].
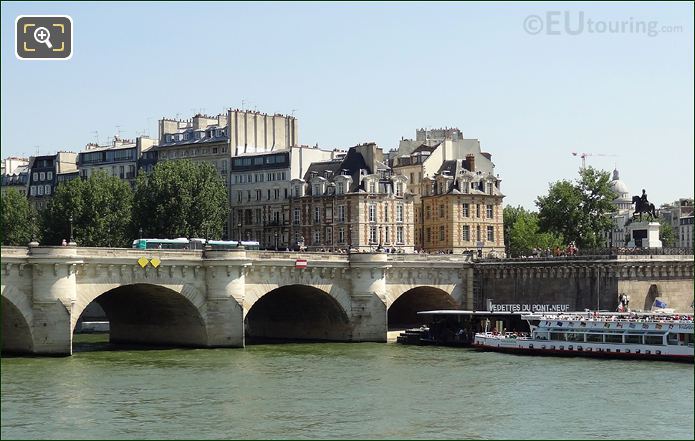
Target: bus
[
  {"x": 199, "y": 244},
  {"x": 180, "y": 243}
]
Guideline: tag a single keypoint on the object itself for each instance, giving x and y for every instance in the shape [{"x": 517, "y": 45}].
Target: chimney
[{"x": 471, "y": 162}]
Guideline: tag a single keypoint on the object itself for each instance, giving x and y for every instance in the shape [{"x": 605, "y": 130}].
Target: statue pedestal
[{"x": 643, "y": 235}]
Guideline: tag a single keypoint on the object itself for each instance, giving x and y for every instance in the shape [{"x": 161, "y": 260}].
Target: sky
[{"x": 533, "y": 82}]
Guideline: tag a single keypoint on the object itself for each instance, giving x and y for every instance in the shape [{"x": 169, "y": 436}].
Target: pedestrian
[{"x": 65, "y": 243}]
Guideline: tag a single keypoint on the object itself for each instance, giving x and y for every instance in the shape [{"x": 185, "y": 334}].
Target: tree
[
  {"x": 524, "y": 234},
  {"x": 19, "y": 219},
  {"x": 181, "y": 199},
  {"x": 101, "y": 211},
  {"x": 580, "y": 211},
  {"x": 666, "y": 234}
]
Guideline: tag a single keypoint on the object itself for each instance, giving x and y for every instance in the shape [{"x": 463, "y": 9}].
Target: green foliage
[
  {"x": 101, "y": 210},
  {"x": 181, "y": 199},
  {"x": 19, "y": 220},
  {"x": 523, "y": 232},
  {"x": 579, "y": 211},
  {"x": 667, "y": 235}
]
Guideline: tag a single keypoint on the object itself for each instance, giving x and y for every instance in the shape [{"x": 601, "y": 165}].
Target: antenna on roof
[
  {"x": 294, "y": 110},
  {"x": 37, "y": 150},
  {"x": 118, "y": 131},
  {"x": 96, "y": 137}
]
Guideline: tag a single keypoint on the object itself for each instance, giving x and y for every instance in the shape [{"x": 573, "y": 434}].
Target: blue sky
[{"x": 376, "y": 72}]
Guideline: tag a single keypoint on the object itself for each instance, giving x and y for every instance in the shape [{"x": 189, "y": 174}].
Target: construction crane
[{"x": 584, "y": 155}]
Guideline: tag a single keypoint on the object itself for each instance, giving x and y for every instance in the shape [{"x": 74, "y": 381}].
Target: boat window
[
  {"x": 557, "y": 336},
  {"x": 614, "y": 338},
  {"x": 653, "y": 339},
  {"x": 575, "y": 336},
  {"x": 672, "y": 338},
  {"x": 594, "y": 337},
  {"x": 636, "y": 339}
]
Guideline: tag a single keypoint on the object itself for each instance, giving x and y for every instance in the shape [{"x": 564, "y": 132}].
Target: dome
[{"x": 619, "y": 186}]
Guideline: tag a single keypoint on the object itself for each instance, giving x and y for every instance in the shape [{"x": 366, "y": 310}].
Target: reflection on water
[{"x": 361, "y": 390}]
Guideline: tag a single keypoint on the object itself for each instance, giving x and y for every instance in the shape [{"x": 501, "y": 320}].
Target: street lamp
[
  {"x": 379, "y": 248},
  {"x": 276, "y": 241},
  {"x": 239, "y": 228},
  {"x": 71, "y": 239}
]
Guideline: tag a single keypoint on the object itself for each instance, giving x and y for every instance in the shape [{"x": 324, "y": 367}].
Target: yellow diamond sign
[
  {"x": 143, "y": 261},
  {"x": 155, "y": 262}
]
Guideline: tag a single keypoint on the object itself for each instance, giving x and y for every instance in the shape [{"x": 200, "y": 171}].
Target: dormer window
[
  {"x": 316, "y": 190},
  {"x": 340, "y": 188},
  {"x": 372, "y": 187},
  {"x": 399, "y": 189}
]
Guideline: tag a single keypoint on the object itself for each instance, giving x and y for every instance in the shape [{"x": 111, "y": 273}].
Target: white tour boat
[{"x": 654, "y": 336}]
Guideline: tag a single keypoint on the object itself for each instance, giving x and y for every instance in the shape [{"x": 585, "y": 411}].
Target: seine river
[{"x": 357, "y": 390}]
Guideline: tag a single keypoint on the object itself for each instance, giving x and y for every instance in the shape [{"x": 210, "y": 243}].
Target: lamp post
[
  {"x": 238, "y": 225},
  {"x": 276, "y": 241},
  {"x": 379, "y": 248},
  {"x": 71, "y": 239}
]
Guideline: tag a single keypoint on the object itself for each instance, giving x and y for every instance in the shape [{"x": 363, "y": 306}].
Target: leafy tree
[
  {"x": 524, "y": 232},
  {"x": 19, "y": 220},
  {"x": 101, "y": 211},
  {"x": 580, "y": 211},
  {"x": 181, "y": 199},
  {"x": 666, "y": 234}
]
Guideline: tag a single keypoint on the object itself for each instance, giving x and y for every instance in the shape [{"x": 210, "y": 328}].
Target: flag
[{"x": 659, "y": 304}]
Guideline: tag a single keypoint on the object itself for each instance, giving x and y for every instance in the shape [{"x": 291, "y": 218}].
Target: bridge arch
[
  {"x": 16, "y": 329},
  {"x": 297, "y": 312},
  {"x": 402, "y": 312},
  {"x": 147, "y": 313}
]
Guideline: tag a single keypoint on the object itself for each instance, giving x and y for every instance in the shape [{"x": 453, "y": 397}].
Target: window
[
  {"x": 316, "y": 190},
  {"x": 268, "y": 194},
  {"x": 477, "y": 210},
  {"x": 386, "y": 213},
  {"x": 47, "y": 189},
  {"x": 491, "y": 234},
  {"x": 412, "y": 176},
  {"x": 429, "y": 234},
  {"x": 466, "y": 233},
  {"x": 258, "y": 195},
  {"x": 399, "y": 234},
  {"x": 329, "y": 235},
  {"x": 296, "y": 191},
  {"x": 317, "y": 215},
  {"x": 372, "y": 235},
  {"x": 372, "y": 187},
  {"x": 276, "y": 193},
  {"x": 49, "y": 176},
  {"x": 295, "y": 216},
  {"x": 442, "y": 233},
  {"x": 259, "y": 218},
  {"x": 477, "y": 233},
  {"x": 341, "y": 235},
  {"x": 35, "y": 176},
  {"x": 372, "y": 212},
  {"x": 464, "y": 210},
  {"x": 238, "y": 196},
  {"x": 428, "y": 212},
  {"x": 42, "y": 176},
  {"x": 489, "y": 211},
  {"x": 387, "y": 234},
  {"x": 442, "y": 212},
  {"x": 399, "y": 213},
  {"x": 341, "y": 213},
  {"x": 32, "y": 190},
  {"x": 317, "y": 237},
  {"x": 399, "y": 189},
  {"x": 653, "y": 339},
  {"x": 40, "y": 189}
]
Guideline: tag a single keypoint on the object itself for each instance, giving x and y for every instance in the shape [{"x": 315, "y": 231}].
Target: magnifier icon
[{"x": 41, "y": 35}]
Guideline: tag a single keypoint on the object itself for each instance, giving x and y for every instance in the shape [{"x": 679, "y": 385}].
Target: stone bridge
[{"x": 220, "y": 298}]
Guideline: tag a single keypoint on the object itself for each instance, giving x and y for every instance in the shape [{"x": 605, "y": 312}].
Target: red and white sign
[{"x": 300, "y": 263}]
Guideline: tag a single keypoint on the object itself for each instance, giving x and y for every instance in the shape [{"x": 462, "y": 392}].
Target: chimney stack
[{"x": 471, "y": 162}]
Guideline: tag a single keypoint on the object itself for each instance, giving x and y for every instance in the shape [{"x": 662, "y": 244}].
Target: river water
[{"x": 349, "y": 390}]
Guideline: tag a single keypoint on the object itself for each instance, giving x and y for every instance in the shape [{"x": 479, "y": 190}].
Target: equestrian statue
[{"x": 642, "y": 205}]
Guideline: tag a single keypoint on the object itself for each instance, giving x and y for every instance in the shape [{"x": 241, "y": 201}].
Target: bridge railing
[{"x": 294, "y": 255}]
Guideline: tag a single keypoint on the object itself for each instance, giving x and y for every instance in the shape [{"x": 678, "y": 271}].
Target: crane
[{"x": 584, "y": 155}]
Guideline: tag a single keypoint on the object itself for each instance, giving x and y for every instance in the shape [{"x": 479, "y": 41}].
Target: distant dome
[{"x": 619, "y": 186}]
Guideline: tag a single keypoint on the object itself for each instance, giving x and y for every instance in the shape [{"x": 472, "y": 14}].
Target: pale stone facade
[
  {"x": 120, "y": 159},
  {"x": 462, "y": 210},
  {"x": 352, "y": 203}
]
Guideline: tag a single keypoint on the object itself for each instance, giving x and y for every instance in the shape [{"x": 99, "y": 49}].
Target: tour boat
[{"x": 652, "y": 336}]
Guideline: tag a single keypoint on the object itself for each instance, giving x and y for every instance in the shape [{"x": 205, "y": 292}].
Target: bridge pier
[
  {"x": 368, "y": 295},
  {"x": 226, "y": 288}
]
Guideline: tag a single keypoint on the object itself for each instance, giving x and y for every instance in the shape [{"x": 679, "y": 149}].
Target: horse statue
[{"x": 643, "y": 207}]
